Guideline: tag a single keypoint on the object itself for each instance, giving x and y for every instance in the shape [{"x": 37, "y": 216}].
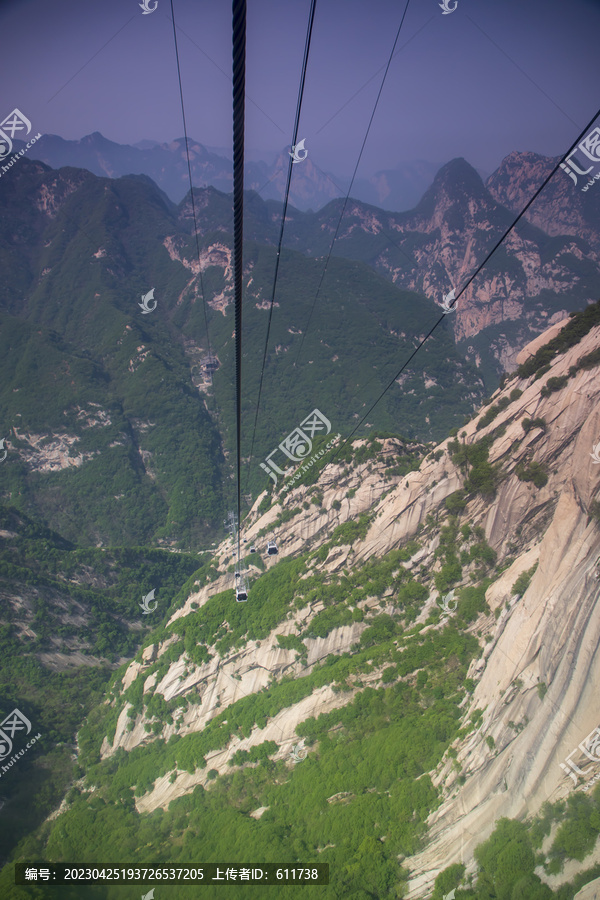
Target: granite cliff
[{"x": 536, "y": 676}]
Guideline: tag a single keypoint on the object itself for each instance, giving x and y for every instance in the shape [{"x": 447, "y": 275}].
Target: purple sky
[{"x": 450, "y": 91}]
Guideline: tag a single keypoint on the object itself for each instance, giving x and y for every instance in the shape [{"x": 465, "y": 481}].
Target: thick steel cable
[
  {"x": 187, "y": 153},
  {"x": 311, "y": 19},
  {"x": 239, "y": 88}
]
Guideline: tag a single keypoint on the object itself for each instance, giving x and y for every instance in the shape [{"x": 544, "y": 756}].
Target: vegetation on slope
[
  {"x": 508, "y": 859},
  {"x": 573, "y": 332},
  {"x": 155, "y": 471},
  {"x": 379, "y": 745},
  {"x": 57, "y": 600}
]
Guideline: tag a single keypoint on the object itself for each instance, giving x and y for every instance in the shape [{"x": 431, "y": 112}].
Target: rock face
[
  {"x": 549, "y": 637},
  {"x": 50, "y": 452},
  {"x": 560, "y": 209},
  {"x": 540, "y": 667},
  {"x": 590, "y": 891},
  {"x": 534, "y": 345},
  {"x": 528, "y": 283}
]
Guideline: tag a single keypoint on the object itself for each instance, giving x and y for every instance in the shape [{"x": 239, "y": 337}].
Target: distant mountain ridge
[
  {"x": 549, "y": 264},
  {"x": 166, "y": 164},
  {"x": 558, "y": 210},
  {"x": 535, "y": 278}
]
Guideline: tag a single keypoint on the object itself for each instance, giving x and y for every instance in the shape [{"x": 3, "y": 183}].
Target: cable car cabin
[
  {"x": 241, "y": 594},
  {"x": 272, "y": 548},
  {"x": 252, "y": 549}
]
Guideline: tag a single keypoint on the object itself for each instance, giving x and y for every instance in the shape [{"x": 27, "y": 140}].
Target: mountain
[
  {"x": 546, "y": 268},
  {"x": 399, "y": 188},
  {"x": 95, "y": 397},
  {"x": 397, "y": 694},
  {"x": 108, "y": 414},
  {"x": 560, "y": 209},
  {"x": 532, "y": 280},
  {"x": 166, "y": 164},
  {"x": 310, "y": 187},
  {"x": 111, "y": 392}
]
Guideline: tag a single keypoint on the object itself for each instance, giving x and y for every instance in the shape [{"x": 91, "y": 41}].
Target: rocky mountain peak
[
  {"x": 458, "y": 179},
  {"x": 560, "y": 209}
]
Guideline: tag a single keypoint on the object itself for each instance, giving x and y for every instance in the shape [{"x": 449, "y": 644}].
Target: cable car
[
  {"x": 241, "y": 594},
  {"x": 272, "y": 548},
  {"x": 252, "y": 549}
]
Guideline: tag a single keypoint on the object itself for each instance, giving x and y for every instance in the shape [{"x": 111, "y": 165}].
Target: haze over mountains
[
  {"x": 166, "y": 164},
  {"x": 451, "y": 219}
]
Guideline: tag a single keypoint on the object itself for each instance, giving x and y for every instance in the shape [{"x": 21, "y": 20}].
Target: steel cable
[
  {"x": 239, "y": 89},
  {"x": 187, "y": 153},
  {"x": 311, "y": 19}
]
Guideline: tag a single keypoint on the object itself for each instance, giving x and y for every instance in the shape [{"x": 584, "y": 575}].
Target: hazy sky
[{"x": 454, "y": 88}]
